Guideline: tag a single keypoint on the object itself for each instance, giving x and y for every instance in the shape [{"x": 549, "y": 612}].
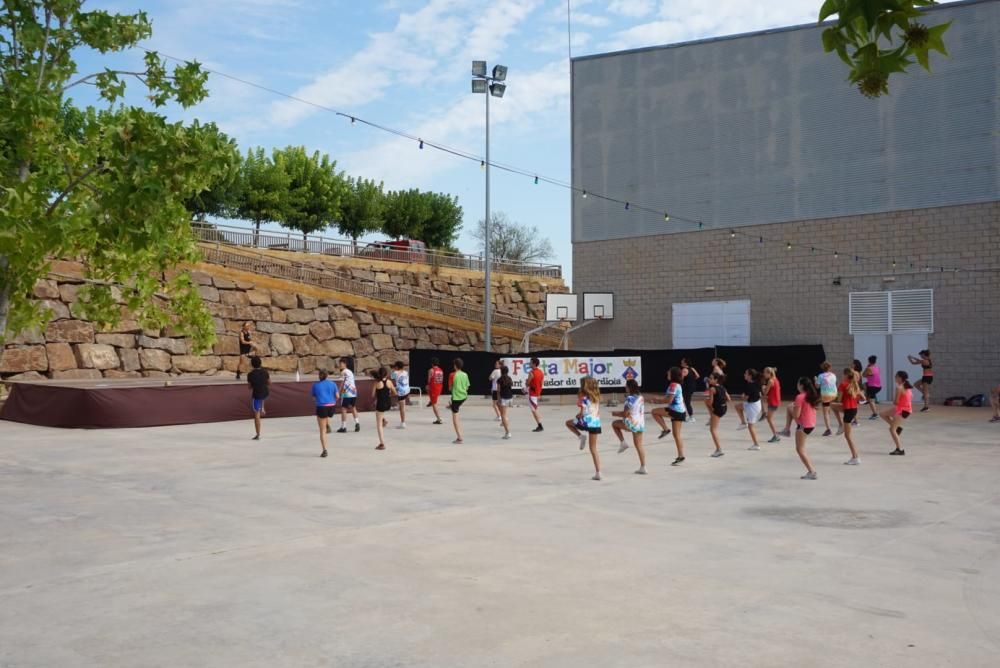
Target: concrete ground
[{"x": 195, "y": 546}]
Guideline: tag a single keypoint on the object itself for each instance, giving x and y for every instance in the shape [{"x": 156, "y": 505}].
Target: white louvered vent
[
  {"x": 869, "y": 313},
  {"x": 912, "y": 311}
]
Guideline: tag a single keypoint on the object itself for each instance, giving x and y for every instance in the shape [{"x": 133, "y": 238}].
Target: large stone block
[
  {"x": 336, "y": 348},
  {"x": 368, "y": 330},
  {"x": 96, "y": 356},
  {"x": 278, "y": 315},
  {"x": 382, "y": 277},
  {"x": 69, "y": 331},
  {"x": 321, "y": 313},
  {"x": 77, "y": 374},
  {"x": 283, "y": 299},
  {"x": 46, "y": 289},
  {"x": 259, "y": 297},
  {"x": 340, "y": 313},
  {"x": 307, "y": 365},
  {"x": 363, "y": 347},
  {"x": 346, "y": 329},
  {"x": 390, "y": 357},
  {"x": 227, "y": 345},
  {"x": 196, "y": 363},
  {"x": 381, "y": 341},
  {"x": 300, "y": 315},
  {"x": 223, "y": 283},
  {"x": 321, "y": 331},
  {"x": 208, "y": 293},
  {"x": 282, "y": 328},
  {"x": 288, "y": 363},
  {"x": 305, "y": 345},
  {"x": 234, "y": 298},
  {"x": 27, "y": 375},
  {"x": 307, "y": 301},
  {"x": 281, "y": 344},
  {"x": 25, "y": 358},
  {"x": 57, "y": 310},
  {"x": 60, "y": 356},
  {"x": 408, "y": 332},
  {"x": 28, "y": 337},
  {"x": 116, "y": 340},
  {"x": 201, "y": 278},
  {"x": 391, "y": 330},
  {"x": 126, "y": 326},
  {"x": 365, "y": 365},
  {"x": 401, "y": 343},
  {"x": 439, "y": 337},
  {"x": 130, "y": 359},
  {"x": 154, "y": 359},
  {"x": 173, "y": 346},
  {"x": 119, "y": 373},
  {"x": 66, "y": 270}
]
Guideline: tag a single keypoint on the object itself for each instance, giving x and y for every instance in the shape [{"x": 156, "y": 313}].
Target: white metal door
[
  {"x": 878, "y": 345},
  {"x": 706, "y": 324},
  {"x": 903, "y": 344}
]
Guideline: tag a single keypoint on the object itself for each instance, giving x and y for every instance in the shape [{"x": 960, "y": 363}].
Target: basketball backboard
[
  {"x": 598, "y": 306},
  {"x": 560, "y": 307}
]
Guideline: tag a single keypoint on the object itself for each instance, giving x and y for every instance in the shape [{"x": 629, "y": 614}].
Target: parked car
[{"x": 399, "y": 250}]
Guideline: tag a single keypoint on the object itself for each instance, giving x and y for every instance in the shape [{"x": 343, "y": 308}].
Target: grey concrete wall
[
  {"x": 792, "y": 296},
  {"x": 763, "y": 128}
]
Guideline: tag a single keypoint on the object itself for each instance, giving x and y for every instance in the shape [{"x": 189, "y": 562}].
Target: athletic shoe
[
  {"x": 840, "y": 431},
  {"x": 641, "y": 470},
  {"x": 678, "y": 461},
  {"x": 622, "y": 447},
  {"x": 583, "y": 441},
  {"x": 995, "y": 419},
  {"x": 324, "y": 454},
  {"x": 380, "y": 446},
  {"x": 437, "y": 422},
  {"x": 538, "y": 429},
  {"x": 897, "y": 451},
  {"x": 828, "y": 433},
  {"x": 855, "y": 424},
  {"x": 718, "y": 453},
  {"x": 663, "y": 433},
  {"x": 690, "y": 419},
  {"x": 873, "y": 417},
  {"x": 925, "y": 409},
  {"x": 597, "y": 476},
  {"x": 774, "y": 439},
  {"x": 256, "y": 438},
  {"x": 458, "y": 441},
  {"x": 342, "y": 430},
  {"x": 853, "y": 461},
  {"x": 754, "y": 447},
  {"x": 357, "y": 427},
  {"x": 741, "y": 426},
  {"x": 506, "y": 436},
  {"x": 809, "y": 476},
  {"x": 498, "y": 419},
  {"x": 401, "y": 425}
]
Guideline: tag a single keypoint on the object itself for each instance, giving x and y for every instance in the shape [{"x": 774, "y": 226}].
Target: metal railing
[
  {"x": 311, "y": 243},
  {"x": 259, "y": 263}
]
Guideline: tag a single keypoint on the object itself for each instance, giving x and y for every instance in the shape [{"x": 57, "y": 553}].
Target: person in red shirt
[
  {"x": 533, "y": 386},
  {"x": 435, "y": 385},
  {"x": 849, "y": 395}
]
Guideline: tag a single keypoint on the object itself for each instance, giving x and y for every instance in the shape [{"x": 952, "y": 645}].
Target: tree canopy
[
  {"x": 315, "y": 190},
  {"x": 510, "y": 240},
  {"x": 108, "y": 185}
]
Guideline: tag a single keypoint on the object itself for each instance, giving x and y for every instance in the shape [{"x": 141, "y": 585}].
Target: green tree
[
  {"x": 362, "y": 209},
  {"x": 513, "y": 241},
  {"x": 315, "y": 190},
  {"x": 406, "y": 212},
  {"x": 106, "y": 186},
  {"x": 263, "y": 189},
  {"x": 877, "y": 38},
  {"x": 221, "y": 198},
  {"x": 445, "y": 220}
]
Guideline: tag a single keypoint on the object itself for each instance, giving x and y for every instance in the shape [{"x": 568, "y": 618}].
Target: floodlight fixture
[
  {"x": 499, "y": 72},
  {"x": 479, "y": 85},
  {"x": 479, "y": 68},
  {"x": 497, "y": 89}
]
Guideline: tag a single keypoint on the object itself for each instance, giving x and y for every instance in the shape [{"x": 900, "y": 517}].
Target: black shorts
[
  {"x": 720, "y": 412},
  {"x": 905, "y": 414},
  {"x": 245, "y": 349},
  {"x": 325, "y": 411},
  {"x": 383, "y": 408},
  {"x": 927, "y": 380},
  {"x": 496, "y": 395},
  {"x": 872, "y": 392},
  {"x": 348, "y": 402},
  {"x": 456, "y": 405},
  {"x": 827, "y": 403},
  {"x": 850, "y": 414},
  {"x": 402, "y": 395},
  {"x": 677, "y": 416},
  {"x": 805, "y": 430}
]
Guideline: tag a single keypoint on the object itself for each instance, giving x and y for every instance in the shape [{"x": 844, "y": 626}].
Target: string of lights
[{"x": 586, "y": 193}]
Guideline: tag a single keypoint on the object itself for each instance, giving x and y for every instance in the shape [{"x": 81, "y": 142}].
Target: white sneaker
[
  {"x": 597, "y": 476},
  {"x": 583, "y": 441},
  {"x": 401, "y": 425},
  {"x": 810, "y": 476},
  {"x": 622, "y": 447},
  {"x": 840, "y": 431},
  {"x": 741, "y": 426},
  {"x": 498, "y": 419},
  {"x": 754, "y": 447},
  {"x": 718, "y": 453},
  {"x": 641, "y": 470},
  {"x": 853, "y": 461},
  {"x": 506, "y": 436}
]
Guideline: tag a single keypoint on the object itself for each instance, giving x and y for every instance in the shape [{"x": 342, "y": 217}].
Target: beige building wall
[{"x": 792, "y": 296}]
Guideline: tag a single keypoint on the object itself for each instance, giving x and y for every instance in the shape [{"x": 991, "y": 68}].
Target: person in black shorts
[
  {"x": 717, "y": 404},
  {"x": 324, "y": 392},
  {"x": 926, "y": 378},
  {"x": 382, "y": 393},
  {"x": 259, "y": 381},
  {"x": 689, "y": 382},
  {"x": 246, "y": 346}
]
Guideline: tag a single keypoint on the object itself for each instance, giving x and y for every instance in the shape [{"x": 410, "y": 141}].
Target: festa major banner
[{"x": 567, "y": 372}]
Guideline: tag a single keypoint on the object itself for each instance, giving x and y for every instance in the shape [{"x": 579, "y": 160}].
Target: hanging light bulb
[
  {"x": 836, "y": 255},
  {"x": 894, "y": 263},
  {"x": 584, "y": 194},
  {"x": 700, "y": 224},
  {"x": 760, "y": 240},
  {"x": 732, "y": 234},
  {"x": 666, "y": 217},
  {"x": 626, "y": 206},
  {"x": 482, "y": 164},
  {"x": 788, "y": 246},
  {"x": 352, "y": 120},
  {"x": 536, "y": 180},
  {"x": 421, "y": 144}
]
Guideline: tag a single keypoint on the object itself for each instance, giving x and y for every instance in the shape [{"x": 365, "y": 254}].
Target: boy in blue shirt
[{"x": 324, "y": 392}]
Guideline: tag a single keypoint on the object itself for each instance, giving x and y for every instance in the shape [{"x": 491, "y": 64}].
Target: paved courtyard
[{"x": 195, "y": 546}]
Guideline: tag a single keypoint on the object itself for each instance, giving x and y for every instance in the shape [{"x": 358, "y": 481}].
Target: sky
[{"x": 406, "y": 64}]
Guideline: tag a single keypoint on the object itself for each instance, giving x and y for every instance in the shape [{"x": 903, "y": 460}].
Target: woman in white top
[{"x": 495, "y": 390}]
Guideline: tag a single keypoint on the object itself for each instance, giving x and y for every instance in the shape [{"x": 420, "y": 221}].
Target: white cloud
[{"x": 632, "y": 8}]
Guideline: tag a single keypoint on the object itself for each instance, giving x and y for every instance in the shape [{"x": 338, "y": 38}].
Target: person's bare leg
[
  {"x": 753, "y": 434},
  {"x": 496, "y": 408},
  {"x": 571, "y": 425},
  {"x": 618, "y": 426},
  {"x": 534, "y": 414},
  {"x": 678, "y": 441},
  {"x": 769, "y": 415},
  {"x": 256, "y": 423},
  {"x": 503, "y": 419},
  {"x": 789, "y": 416},
  {"x": 380, "y": 428},
  {"x": 895, "y": 422},
  {"x": 826, "y": 416},
  {"x": 871, "y": 404},
  {"x": 658, "y": 414},
  {"x": 888, "y": 416},
  {"x": 800, "y": 449},
  {"x": 838, "y": 410},
  {"x": 458, "y": 427},
  {"x": 739, "y": 412},
  {"x": 593, "y": 453},
  {"x": 713, "y": 429},
  {"x": 437, "y": 416},
  {"x": 848, "y": 429},
  {"x": 322, "y": 432},
  {"x": 641, "y": 451},
  {"x": 402, "y": 411}
]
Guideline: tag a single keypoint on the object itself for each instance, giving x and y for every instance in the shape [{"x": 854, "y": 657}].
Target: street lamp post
[{"x": 490, "y": 86}]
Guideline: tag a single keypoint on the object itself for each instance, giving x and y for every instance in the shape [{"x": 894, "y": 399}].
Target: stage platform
[{"x": 147, "y": 402}]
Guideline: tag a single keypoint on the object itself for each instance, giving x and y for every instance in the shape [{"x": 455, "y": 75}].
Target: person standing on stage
[
  {"x": 259, "y": 381},
  {"x": 246, "y": 346},
  {"x": 348, "y": 397},
  {"x": 324, "y": 392},
  {"x": 533, "y": 388},
  {"x": 435, "y": 385}
]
